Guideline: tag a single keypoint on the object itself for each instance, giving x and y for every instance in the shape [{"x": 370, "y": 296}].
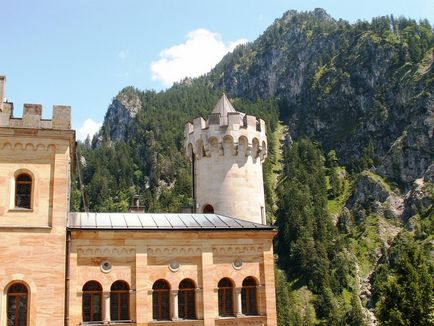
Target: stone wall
[{"x": 143, "y": 257}]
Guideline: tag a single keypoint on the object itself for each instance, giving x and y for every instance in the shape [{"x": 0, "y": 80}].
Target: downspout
[
  {"x": 194, "y": 181},
  {"x": 67, "y": 275}
]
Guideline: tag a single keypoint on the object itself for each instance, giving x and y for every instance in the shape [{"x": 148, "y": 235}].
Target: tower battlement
[
  {"x": 226, "y": 133},
  {"x": 32, "y": 114}
]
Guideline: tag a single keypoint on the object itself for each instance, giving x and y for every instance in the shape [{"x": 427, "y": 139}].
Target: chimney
[{"x": 2, "y": 91}]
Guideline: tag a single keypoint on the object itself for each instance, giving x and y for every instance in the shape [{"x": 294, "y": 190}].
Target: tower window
[
  {"x": 208, "y": 209},
  {"x": 23, "y": 191},
  {"x": 92, "y": 296},
  {"x": 160, "y": 300},
  {"x": 120, "y": 301},
  {"x": 17, "y": 305}
]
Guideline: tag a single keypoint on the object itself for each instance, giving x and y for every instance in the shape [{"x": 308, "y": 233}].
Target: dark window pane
[
  {"x": 22, "y": 312},
  {"x": 12, "y": 310},
  {"x": 114, "y": 305},
  {"x": 24, "y": 178},
  {"x": 165, "y": 305},
  {"x": 160, "y": 300},
  {"x": 86, "y": 307},
  {"x": 92, "y": 293},
  {"x": 248, "y": 299},
  {"x": 96, "y": 307},
  {"x": 23, "y": 191},
  {"x": 119, "y": 285},
  {"x": 92, "y": 286},
  {"x": 124, "y": 306},
  {"x": 17, "y": 288},
  {"x": 225, "y": 297},
  {"x": 17, "y": 308},
  {"x": 186, "y": 300},
  {"x": 160, "y": 284}
]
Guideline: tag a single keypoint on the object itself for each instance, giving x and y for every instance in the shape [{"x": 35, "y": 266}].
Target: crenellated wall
[
  {"x": 32, "y": 117},
  {"x": 229, "y": 152}
]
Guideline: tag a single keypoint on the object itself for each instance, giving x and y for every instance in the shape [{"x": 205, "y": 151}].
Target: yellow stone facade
[
  {"x": 142, "y": 257},
  {"x": 54, "y": 261}
]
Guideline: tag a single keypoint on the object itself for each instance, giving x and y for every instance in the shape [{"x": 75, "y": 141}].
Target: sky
[{"x": 83, "y": 52}]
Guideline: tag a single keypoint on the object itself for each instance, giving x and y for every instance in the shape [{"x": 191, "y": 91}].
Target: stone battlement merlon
[
  {"x": 32, "y": 114},
  {"x": 236, "y": 120},
  {"x": 32, "y": 117},
  {"x": 238, "y": 133}
]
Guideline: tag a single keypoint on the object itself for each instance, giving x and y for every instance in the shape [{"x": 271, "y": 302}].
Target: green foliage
[{"x": 404, "y": 284}]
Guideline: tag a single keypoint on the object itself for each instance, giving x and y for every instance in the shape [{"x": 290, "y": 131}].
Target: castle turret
[{"x": 227, "y": 151}]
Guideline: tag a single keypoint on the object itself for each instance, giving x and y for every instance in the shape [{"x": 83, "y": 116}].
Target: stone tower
[
  {"x": 227, "y": 152},
  {"x": 35, "y": 157}
]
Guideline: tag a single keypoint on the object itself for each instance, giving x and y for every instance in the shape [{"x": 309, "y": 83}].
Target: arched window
[
  {"x": 17, "y": 305},
  {"x": 208, "y": 209},
  {"x": 23, "y": 191},
  {"x": 187, "y": 300},
  {"x": 249, "y": 296},
  {"x": 226, "y": 297},
  {"x": 160, "y": 300},
  {"x": 120, "y": 301},
  {"x": 92, "y": 296}
]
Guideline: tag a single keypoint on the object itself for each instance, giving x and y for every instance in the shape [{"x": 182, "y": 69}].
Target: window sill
[{"x": 20, "y": 210}]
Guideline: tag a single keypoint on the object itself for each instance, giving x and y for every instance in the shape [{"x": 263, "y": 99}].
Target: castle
[{"x": 211, "y": 267}]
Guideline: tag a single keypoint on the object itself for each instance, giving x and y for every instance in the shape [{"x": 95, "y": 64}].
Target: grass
[
  {"x": 335, "y": 205},
  {"x": 276, "y": 164}
]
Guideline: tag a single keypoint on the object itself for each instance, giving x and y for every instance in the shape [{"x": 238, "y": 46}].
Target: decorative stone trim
[
  {"x": 106, "y": 251},
  {"x": 236, "y": 250},
  {"x": 28, "y": 146},
  {"x": 174, "y": 251}
]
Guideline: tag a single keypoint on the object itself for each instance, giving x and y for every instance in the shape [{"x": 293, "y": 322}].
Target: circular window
[
  {"x": 237, "y": 264},
  {"x": 106, "y": 267},
  {"x": 174, "y": 266}
]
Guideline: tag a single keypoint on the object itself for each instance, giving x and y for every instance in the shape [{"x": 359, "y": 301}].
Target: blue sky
[{"x": 83, "y": 52}]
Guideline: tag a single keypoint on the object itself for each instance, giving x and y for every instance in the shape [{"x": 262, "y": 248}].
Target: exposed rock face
[
  {"x": 343, "y": 85},
  {"x": 413, "y": 152},
  {"x": 371, "y": 195},
  {"x": 123, "y": 109},
  {"x": 420, "y": 200}
]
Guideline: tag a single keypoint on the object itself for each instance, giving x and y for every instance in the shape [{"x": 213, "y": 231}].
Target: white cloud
[
  {"x": 201, "y": 51},
  {"x": 89, "y": 127}
]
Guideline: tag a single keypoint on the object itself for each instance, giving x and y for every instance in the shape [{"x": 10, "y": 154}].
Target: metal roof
[{"x": 163, "y": 221}]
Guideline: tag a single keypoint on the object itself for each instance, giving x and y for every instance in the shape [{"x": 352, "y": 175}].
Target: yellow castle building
[{"x": 213, "y": 267}]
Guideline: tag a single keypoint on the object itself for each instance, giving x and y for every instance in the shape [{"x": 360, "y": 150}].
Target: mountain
[
  {"x": 349, "y": 86},
  {"x": 349, "y": 181}
]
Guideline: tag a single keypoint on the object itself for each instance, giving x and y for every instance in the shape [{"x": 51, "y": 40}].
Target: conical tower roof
[{"x": 223, "y": 106}]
